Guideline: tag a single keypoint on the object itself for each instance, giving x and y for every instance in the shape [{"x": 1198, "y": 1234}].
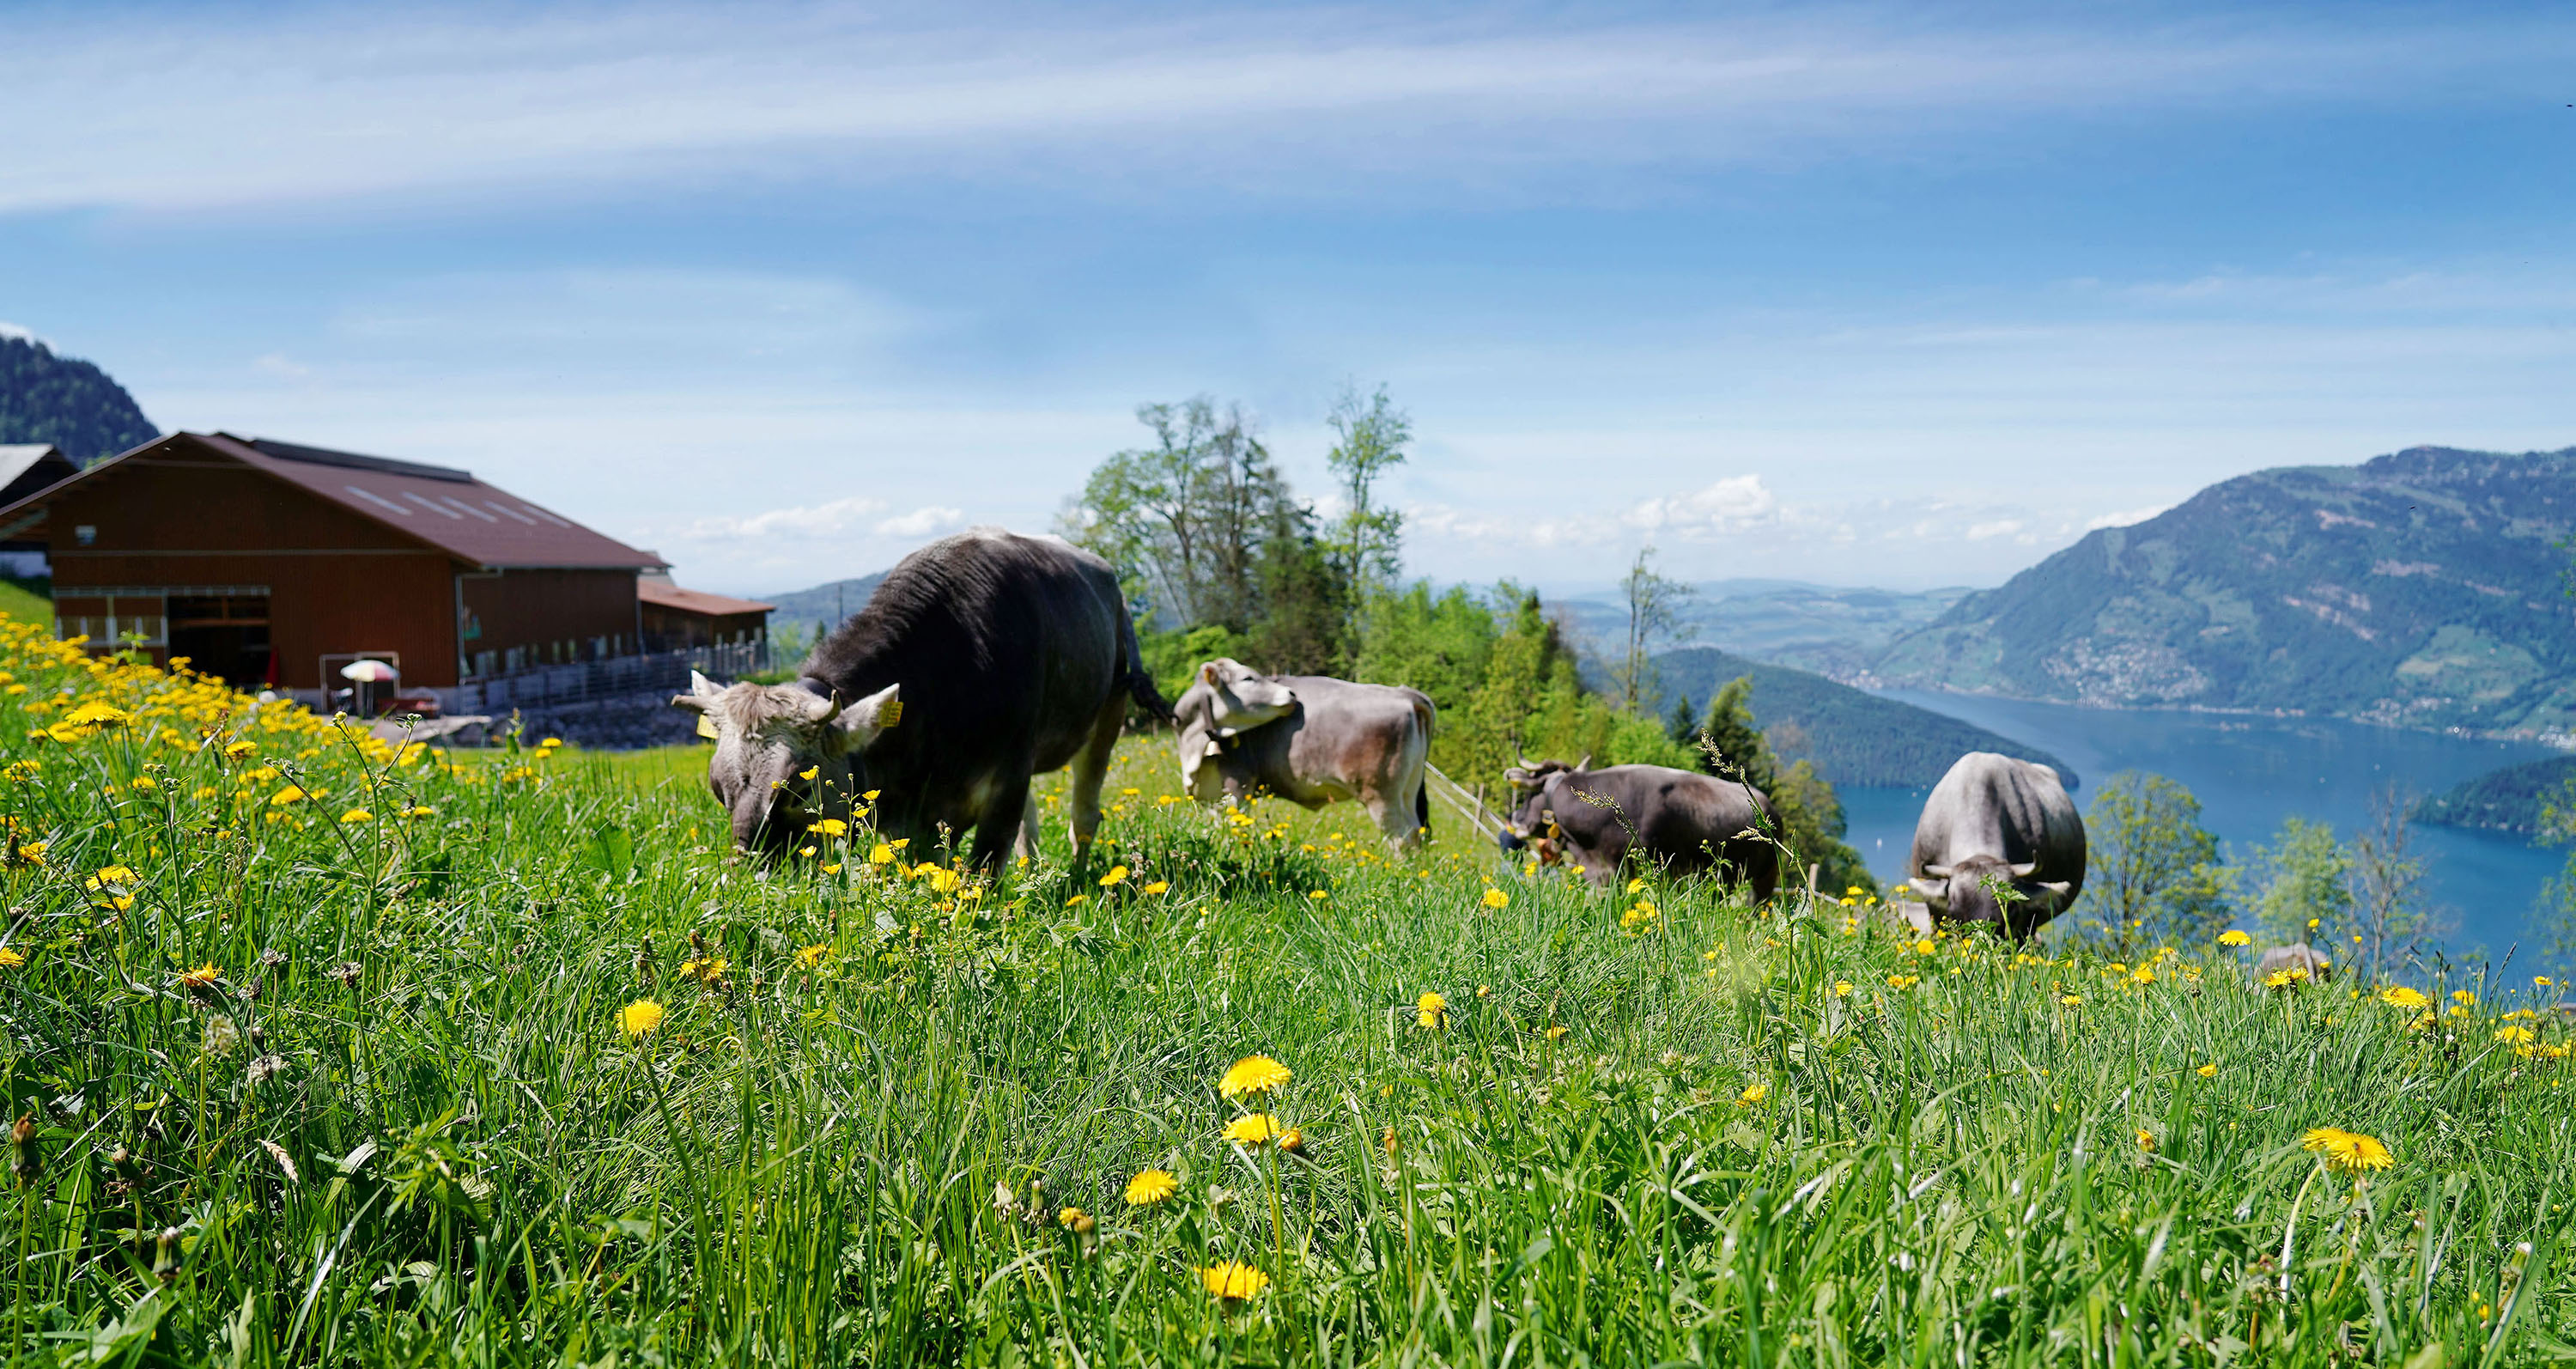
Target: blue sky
[{"x": 1905, "y": 295}]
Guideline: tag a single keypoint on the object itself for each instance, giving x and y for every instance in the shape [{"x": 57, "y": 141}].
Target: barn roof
[
  {"x": 26, "y": 467},
  {"x": 663, "y": 594},
  {"x": 441, "y": 506}
]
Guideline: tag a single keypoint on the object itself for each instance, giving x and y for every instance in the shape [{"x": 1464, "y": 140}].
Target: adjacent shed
[
  {"x": 268, "y": 562},
  {"x": 676, "y": 619},
  {"x": 25, "y": 468}
]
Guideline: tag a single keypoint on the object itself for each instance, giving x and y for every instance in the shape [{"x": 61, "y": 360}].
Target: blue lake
[{"x": 2250, "y": 773}]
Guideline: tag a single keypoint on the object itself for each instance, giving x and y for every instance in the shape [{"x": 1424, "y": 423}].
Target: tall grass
[{"x": 405, "y": 1125}]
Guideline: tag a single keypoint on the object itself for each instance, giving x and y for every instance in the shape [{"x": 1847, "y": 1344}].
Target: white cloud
[
  {"x": 1721, "y": 506},
  {"x": 829, "y": 519},
  {"x": 562, "y": 100},
  {"x": 922, "y": 522},
  {"x": 1993, "y": 528},
  {"x": 2125, "y": 519},
  {"x": 13, "y": 331},
  {"x": 280, "y": 365}
]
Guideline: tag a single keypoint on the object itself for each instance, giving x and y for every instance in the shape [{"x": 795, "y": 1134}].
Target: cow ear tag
[
  {"x": 891, "y": 714},
  {"x": 706, "y": 727}
]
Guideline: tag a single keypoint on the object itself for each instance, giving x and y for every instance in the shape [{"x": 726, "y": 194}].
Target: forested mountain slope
[
  {"x": 66, "y": 402},
  {"x": 2423, "y": 588}
]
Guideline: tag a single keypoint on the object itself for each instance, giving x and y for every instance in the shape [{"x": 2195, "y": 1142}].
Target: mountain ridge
[{"x": 65, "y": 402}]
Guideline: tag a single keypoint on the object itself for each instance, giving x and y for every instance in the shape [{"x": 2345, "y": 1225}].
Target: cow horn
[
  {"x": 2024, "y": 871},
  {"x": 2058, "y": 888},
  {"x": 1585, "y": 763},
  {"x": 1935, "y": 894},
  {"x": 831, "y": 709},
  {"x": 1936, "y": 872}
]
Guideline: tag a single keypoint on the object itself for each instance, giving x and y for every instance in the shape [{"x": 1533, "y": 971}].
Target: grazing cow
[
  {"x": 982, "y": 659},
  {"x": 1996, "y": 820},
  {"x": 2298, "y": 955},
  {"x": 1310, "y": 739},
  {"x": 1680, "y": 820}
]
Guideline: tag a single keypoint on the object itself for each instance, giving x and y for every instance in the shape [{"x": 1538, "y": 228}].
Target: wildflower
[
  {"x": 97, "y": 714},
  {"x": 640, "y": 1017},
  {"x": 881, "y": 854},
  {"x": 1557, "y": 1033},
  {"x": 144, "y": 782},
  {"x": 107, "y": 875},
  {"x": 1293, "y": 1141},
  {"x": 205, "y": 976},
  {"x": 293, "y": 793},
  {"x": 1117, "y": 875},
  {"x": 830, "y": 827},
  {"x": 2146, "y": 1140},
  {"x": 2233, "y": 937},
  {"x": 1496, "y": 898},
  {"x": 808, "y": 773},
  {"x": 2516, "y": 1035},
  {"x": 2540, "y": 980},
  {"x": 2072, "y": 1000},
  {"x": 1156, "y": 887},
  {"x": 238, "y": 750},
  {"x": 1077, "y": 900},
  {"x": 357, "y": 815},
  {"x": 1252, "y": 1075},
  {"x": 2208, "y": 1071},
  {"x": 2347, "y": 1151},
  {"x": 223, "y": 1036},
  {"x": 418, "y": 810},
  {"x": 1077, "y": 1221},
  {"x": 1252, "y": 1129},
  {"x": 807, "y": 957},
  {"x": 2400, "y": 996},
  {"x": 2144, "y": 974},
  {"x": 1318, "y": 895},
  {"x": 1151, "y": 1187},
  {"x": 1753, "y": 1093},
  {"x": 10, "y": 959},
  {"x": 1842, "y": 988},
  {"x": 2464, "y": 998},
  {"x": 1902, "y": 982},
  {"x": 1233, "y": 1281},
  {"x": 2282, "y": 979},
  {"x": 1431, "y": 1009}
]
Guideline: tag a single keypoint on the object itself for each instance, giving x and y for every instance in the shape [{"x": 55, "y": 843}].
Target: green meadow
[{"x": 327, "y": 1051}]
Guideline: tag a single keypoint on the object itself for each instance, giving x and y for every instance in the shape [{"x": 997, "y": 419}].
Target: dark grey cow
[
  {"x": 981, "y": 660},
  {"x": 2298, "y": 956},
  {"x": 1680, "y": 820},
  {"x": 1991, "y": 821},
  {"x": 1310, "y": 739}
]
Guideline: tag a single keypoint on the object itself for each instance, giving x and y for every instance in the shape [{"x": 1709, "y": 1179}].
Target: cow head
[
  {"x": 1228, "y": 698},
  {"x": 770, "y": 739},
  {"x": 1965, "y": 892},
  {"x": 1533, "y": 820}
]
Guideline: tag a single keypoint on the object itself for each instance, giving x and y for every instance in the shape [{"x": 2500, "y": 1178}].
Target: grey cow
[
  {"x": 1310, "y": 739},
  {"x": 1997, "y": 820},
  {"x": 1679, "y": 820},
  {"x": 982, "y": 659}
]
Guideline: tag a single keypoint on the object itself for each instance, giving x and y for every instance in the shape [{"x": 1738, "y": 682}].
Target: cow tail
[
  {"x": 1424, "y": 714},
  {"x": 1140, "y": 685}
]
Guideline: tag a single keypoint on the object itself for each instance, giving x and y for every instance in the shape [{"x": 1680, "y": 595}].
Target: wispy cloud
[
  {"x": 922, "y": 522},
  {"x": 831, "y": 518},
  {"x": 249, "y": 107},
  {"x": 2125, "y": 518}
]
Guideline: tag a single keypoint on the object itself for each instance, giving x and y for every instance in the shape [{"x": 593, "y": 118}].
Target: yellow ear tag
[
  {"x": 706, "y": 726},
  {"x": 891, "y": 714}
]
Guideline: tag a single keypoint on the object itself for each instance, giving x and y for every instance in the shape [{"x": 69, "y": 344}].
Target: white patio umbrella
[{"x": 368, "y": 671}]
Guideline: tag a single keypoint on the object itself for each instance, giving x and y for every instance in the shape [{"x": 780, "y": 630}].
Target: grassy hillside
[
  {"x": 2506, "y": 800},
  {"x": 1854, "y": 737},
  {"x": 2423, "y": 588},
  {"x": 335, "y": 1054},
  {"x": 28, "y": 601},
  {"x": 1833, "y": 630}
]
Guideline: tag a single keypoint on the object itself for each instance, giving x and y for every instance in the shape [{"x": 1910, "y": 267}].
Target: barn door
[{"x": 223, "y": 634}]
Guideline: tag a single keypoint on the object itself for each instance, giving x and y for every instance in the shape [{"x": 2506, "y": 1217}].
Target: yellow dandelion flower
[
  {"x": 881, "y": 854},
  {"x": 357, "y": 815},
  {"x": 2349, "y": 1152},
  {"x": 1251, "y": 1076},
  {"x": 1557, "y": 1033},
  {"x": 2209, "y": 1071},
  {"x": 1496, "y": 898},
  {"x": 96, "y": 714},
  {"x": 2146, "y": 1140},
  {"x": 807, "y": 957},
  {"x": 1077, "y": 1221},
  {"x": 2516, "y": 1035},
  {"x": 205, "y": 976},
  {"x": 1117, "y": 875},
  {"x": 2400, "y": 996},
  {"x": 1431, "y": 1009},
  {"x": 1151, "y": 1187},
  {"x": 293, "y": 793},
  {"x": 1753, "y": 1093},
  {"x": 1252, "y": 1129},
  {"x": 1233, "y": 1281},
  {"x": 1318, "y": 895},
  {"x": 830, "y": 827},
  {"x": 2072, "y": 1000},
  {"x": 640, "y": 1017},
  {"x": 10, "y": 959},
  {"x": 2144, "y": 974},
  {"x": 1903, "y": 981},
  {"x": 1156, "y": 887},
  {"x": 107, "y": 875},
  {"x": 1842, "y": 988},
  {"x": 2233, "y": 937}
]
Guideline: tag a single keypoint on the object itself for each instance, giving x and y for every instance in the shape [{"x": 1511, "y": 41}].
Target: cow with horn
[
  {"x": 1999, "y": 842},
  {"x": 1681, "y": 821},
  {"x": 1309, "y": 739},
  {"x": 982, "y": 660}
]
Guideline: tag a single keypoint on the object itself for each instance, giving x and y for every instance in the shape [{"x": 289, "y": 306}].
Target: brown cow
[{"x": 1310, "y": 739}]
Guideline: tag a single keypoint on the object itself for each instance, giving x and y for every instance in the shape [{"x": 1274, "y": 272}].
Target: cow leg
[
  {"x": 1393, "y": 822},
  {"x": 1089, "y": 769},
  {"x": 1026, "y": 848},
  {"x": 1003, "y": 825}
]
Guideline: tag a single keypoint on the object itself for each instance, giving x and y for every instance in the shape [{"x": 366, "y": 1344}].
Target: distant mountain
[
  {"x": 67, "y": 402},
  {"x": 1854, "y": 737},
  {"x": 2507, "y": 800},
  {"x": 1834, "y": 630},
  {"x": 2424, "y": 588},
  {"x": 824, "y": 604}
]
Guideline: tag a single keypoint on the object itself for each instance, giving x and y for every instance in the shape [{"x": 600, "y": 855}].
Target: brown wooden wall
[
  {"x": 337, "y": 583},
  {"x": 672, "y": 629},
  {"x": 541, "y": 617}
]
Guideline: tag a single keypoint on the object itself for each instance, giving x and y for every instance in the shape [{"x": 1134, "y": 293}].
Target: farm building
[
  {"x": 26, "y": 467},
  {"x": 676, "y": 619},
  {"x": 270, "y": 563}
]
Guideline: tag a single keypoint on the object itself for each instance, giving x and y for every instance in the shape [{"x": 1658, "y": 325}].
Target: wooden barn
[
  {"x": 676, "y": 619},
  {"x": 269, "y": 563},
  {"x": 26, "y": 467}
]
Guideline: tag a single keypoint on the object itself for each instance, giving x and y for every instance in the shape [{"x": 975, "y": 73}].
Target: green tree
[
  {"x": 2301, "y": 883},
  {"x": 1812, "y": 825},
  {"x": 1369, "y": 438},
  {"x": 2152, "y": 872},
  {"x": 1654, "y": 614},
  {"x": 2388, "y": 917}
]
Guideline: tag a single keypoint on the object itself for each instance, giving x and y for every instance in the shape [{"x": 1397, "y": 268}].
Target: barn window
[{"x": 85, "y": 534}]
